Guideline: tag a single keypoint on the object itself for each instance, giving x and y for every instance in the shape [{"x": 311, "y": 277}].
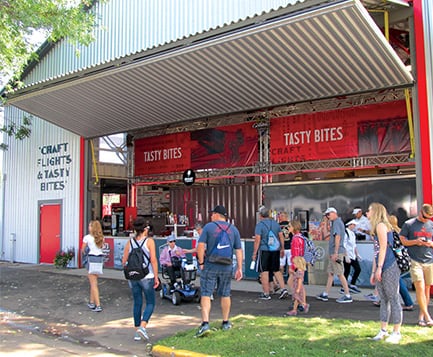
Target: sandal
[
  {"x": 291, "y": 313},
  {"x": 429, "y": 323},
  {"x": 422, "y": 323}
]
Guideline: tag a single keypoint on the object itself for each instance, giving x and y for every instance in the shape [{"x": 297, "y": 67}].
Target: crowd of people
[{"x": 278, "y": 251}]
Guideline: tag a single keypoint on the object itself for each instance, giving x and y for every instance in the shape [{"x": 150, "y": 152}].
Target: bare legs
[
  {"x": 423, "y": 297},
  {"x": 94, "y": 291}
]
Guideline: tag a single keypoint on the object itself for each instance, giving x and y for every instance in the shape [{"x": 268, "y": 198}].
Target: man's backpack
[
  {"x": 273, "y": 242},
  {"x": 222, "y": 252},
  {"x": 310, "y": 251},
  {"x": 137, "y": 265}
]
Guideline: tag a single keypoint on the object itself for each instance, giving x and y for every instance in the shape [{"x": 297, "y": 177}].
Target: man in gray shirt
[
  {"x": 336, "y": 256},
  {"x": 416, "y": 234}
]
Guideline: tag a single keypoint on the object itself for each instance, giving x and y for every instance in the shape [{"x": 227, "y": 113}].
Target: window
[{"x": 112, "y": 149}]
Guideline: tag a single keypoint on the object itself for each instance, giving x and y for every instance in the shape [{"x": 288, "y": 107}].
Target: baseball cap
[
  {"x": 329, "y": 210},
  {"x": 220, "y": 210},
  {"x": 357, "y": 210},
  {"x": 351, "y": 222}
]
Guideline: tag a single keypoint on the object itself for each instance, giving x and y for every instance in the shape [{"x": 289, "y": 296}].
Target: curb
[{"x": 164, "y": 351}]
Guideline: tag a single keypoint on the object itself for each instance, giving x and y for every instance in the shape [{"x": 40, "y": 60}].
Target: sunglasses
[
  {"x": 172, "y": 241},
  {"x": 425, "y": 217}
]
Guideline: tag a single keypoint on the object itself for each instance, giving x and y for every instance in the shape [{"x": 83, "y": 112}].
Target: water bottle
[{"x": 252, "y": 265}]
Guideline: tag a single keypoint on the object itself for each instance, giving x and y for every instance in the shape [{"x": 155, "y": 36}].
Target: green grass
[{"x": 297, "y": 336}]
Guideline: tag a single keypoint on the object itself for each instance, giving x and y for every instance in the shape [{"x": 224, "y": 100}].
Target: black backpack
[{"x": 136, "y": 267}]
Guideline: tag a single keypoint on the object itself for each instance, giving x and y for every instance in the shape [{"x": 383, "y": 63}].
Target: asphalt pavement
[{"x": 44, "y": 312}]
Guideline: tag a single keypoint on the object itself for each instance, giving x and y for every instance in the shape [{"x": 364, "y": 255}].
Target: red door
[{"x": 49, "y": 232}]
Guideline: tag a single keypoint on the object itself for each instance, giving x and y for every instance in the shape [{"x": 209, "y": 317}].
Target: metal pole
[{"x": 13, "y": 242}]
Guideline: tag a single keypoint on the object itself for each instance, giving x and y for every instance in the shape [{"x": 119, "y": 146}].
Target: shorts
[
  {"x": 211, "y": 279},
  {"x": 336, "y": 268},
  {"x": 421, "y": 272},
  {"x": 269, "y": 261},
  {"x": 286, "y": 259}
]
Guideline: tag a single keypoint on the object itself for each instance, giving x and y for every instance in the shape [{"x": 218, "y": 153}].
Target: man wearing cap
[
  {"x": 214, "y": 274},
  {"x": 336, "y": 257},
  {"x": 351, "y": 257},
  {"x": 362, "y": 227},
  {"x": 170, "y": 251},
  {"x": 268, "y": 260},
  {"x": 416, "y": 234}
]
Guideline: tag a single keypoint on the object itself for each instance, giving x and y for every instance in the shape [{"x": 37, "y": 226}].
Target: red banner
[
  {"x": 228, "y": 146},
  {"x": 367, "y": 130},
  {"x": 162, "y": 154}
]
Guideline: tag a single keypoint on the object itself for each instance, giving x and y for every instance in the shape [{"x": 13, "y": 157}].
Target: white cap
[
  {"x": 351, "y": 222},
  {"x": 357, "y": 210},
  {"x": 329, "y": 210}
]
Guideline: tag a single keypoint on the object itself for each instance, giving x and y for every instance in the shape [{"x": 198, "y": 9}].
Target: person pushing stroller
[{"x": 171, "y": 258}]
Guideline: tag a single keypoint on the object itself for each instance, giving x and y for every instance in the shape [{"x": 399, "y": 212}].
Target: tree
[{"x": 19, "y": 19}]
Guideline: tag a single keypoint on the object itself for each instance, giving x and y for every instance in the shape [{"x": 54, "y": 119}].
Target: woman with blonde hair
[
  {"x": 385, "y": 274},
  {"x": 92, "y": 246}
]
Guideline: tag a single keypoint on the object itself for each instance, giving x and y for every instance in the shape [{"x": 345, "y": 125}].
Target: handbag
[
  {"x": 95, "y": 264},
  {"x": 400, "y": 253}
]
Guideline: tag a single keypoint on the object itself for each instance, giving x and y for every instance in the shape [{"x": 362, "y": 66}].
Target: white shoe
[
  {"x": 394, "y": 338},
  {"x": 381, "y": 335}
]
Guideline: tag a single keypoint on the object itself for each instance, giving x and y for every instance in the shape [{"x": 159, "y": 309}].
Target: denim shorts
[{"x": 211, "y": 279}]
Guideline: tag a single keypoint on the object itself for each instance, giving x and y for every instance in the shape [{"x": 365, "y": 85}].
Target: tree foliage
[{"x": 19, "y": 19}]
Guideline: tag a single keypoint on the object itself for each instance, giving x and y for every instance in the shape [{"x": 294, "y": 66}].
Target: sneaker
[
  {"x": 263, "y": 296},
  {"x": 354, "y": 289},
  {"x": 344, "y": 299},
  {"x": 322, "y": 297},
  {"x": 306, "y": 308},
  {"x": 141, "y": 331},
  {"x": 381, "y": 335},
  {"x": 97, "y": 309},
  {"x": 226, "y": 326},
  {"x": 203, "y": 330},
  {"x": 284, "y": 293},
  {"x": 91, "y": 305},
  {"x": 341, "y": 291},
  {"x": 394, "y": 338},
  {"x": 372, "y": 297},
  {"x": 137, "y": 337}
]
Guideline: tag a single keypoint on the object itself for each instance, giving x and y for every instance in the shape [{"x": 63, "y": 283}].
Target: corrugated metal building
[
  {"x": 42, "y": 170},
  {"x": 154, "y": 65}
]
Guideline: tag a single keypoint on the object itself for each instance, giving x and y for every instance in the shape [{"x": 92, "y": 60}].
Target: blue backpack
[
  {"x": 222, "y": 252},
  {"x": 310, "y": 251},
  {"x": 273, "y": 242}
]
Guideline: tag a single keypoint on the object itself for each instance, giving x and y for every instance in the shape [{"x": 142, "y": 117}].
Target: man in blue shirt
[
  {"x": 267, "y": 255},
  {"x": 215, "y": 274}
]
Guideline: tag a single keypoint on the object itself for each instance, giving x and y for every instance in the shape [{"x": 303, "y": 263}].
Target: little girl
[{"x": 299, "y": 297}]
